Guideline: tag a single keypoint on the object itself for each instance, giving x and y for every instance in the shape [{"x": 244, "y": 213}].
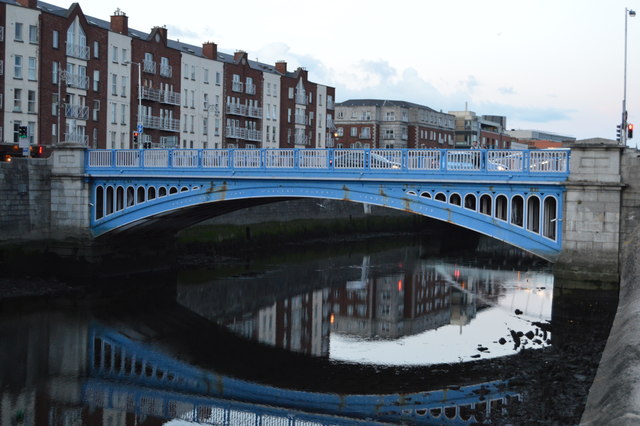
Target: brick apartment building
[
  {"x": 377, "y": 123},
  {"x": 69, "y": 77}
]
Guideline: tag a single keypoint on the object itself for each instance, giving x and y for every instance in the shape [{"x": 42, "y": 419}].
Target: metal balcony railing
[
  {"x": 79, "y": 112},
  {"x": 78, "y": 51},
  {"x": 161, "y": 123},
  {"x": 163, "y": 96},
  {"x": 77, "y": 81},
  {"x": 149, "y": 66},
  {"x": 166, "y": 70},
  {"x": 76, "y": 137},
  {"x": 236, "y": 86},
  {"x": 243, "y": 133}
]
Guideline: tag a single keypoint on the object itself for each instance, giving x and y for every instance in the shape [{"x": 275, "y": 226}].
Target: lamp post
[
  {"x": 139, "y": 126},
  {"x": 623, "y": 127},
  {"x": 62, "y": 76}
]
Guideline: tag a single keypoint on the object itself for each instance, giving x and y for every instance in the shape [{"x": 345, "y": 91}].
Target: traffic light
[
  {"x": 22, "y": 131},
  {"x": 135, "y": 137},
  {"x": 629, "y": 131},
  {"x": 618, "y": 132}
]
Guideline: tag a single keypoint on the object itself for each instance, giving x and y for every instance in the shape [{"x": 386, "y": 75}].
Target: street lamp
[
  {"x": 139, "y": 127},
  {"x": 623, "y": 134}
]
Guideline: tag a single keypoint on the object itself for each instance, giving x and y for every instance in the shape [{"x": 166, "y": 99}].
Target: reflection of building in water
[
  {"x": 391, "y": 306},
  {"x": 297, "y": 323}
]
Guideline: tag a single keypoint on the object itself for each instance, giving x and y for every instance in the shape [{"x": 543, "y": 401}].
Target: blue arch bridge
[{"x": 512, "y": 195}]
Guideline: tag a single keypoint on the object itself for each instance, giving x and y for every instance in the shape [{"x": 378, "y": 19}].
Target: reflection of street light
[
  {"x": 139, "y": 99},
  {"x": 623, "y": 127}
]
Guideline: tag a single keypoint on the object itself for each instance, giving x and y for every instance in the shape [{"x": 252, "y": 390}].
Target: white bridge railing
[{"x": 507, "y": 162}]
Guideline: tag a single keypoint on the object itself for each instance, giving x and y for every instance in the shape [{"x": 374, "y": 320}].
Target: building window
[
  {"x": 114, "y": 53},
  {"x": 31, "y": 101},
  {"x": 32, "y": 69},
  {"x": 96, "y": 80},
  {"x": 391, "y": 116},
  {"x": 123, "y": 86},
  {"x": 54, "y": 72},
  {"x": 123, "y": 114},
  {"x": 113, "y": 115},
  {"x": 54, "y": 104},
  {"x": 205, "y": 125},
  {"x": 354, "y": 131},
  {"x": 114, "y": 84},
  {"x": 96, "y": 49},
  {"x": 17, "y": 66},
  {"x": 96, "y": 109},
  {"x": 33, "y": 34},
  {"x": 17, "y": 100},
  {"x": 205, "y": 76},
  {"x": 193, "y": 99},
  {"x": 193, "y": 72},
  {"x": 124, "y": 56},
  {"x": 54, "y": 39},
  {"x": 340, "y": 131},
  {"x": 18, "y": 31},
  {"x": 218, "y": 78}
]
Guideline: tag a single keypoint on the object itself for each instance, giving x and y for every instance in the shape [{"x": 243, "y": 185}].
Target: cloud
[{"x": 506, "y": 90}]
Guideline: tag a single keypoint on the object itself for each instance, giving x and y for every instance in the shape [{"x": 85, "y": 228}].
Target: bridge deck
[
  {"x": 364, "y": 164},
  {"x": 514, "y": 196}
]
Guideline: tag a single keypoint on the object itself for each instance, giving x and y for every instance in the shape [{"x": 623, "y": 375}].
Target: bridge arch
[{"x": 135, "y": 205}]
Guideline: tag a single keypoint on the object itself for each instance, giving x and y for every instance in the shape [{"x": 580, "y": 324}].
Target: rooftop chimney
[
  {"x": 31, "y": 4},
  {"x": 239, "y": 54},
  {"x": 162, "y": 31},
  {"x": 281, "y": 67},
  {"x": 120, "y": 22},
  {"x": 210, "y": 50}
]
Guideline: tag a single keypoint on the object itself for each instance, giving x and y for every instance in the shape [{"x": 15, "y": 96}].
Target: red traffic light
[{"x": 629, "y": 131}]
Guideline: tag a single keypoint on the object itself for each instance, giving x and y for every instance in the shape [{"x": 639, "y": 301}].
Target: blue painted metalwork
[
  {"x": 514, "y": 196},
  {"x": 151, "y": 375}
]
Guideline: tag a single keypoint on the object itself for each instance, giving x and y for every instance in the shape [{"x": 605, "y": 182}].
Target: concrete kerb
[{"x": 614, "y": 397}]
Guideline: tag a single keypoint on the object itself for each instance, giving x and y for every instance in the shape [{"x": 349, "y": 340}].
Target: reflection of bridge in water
[
  {"x": 193, "y": 394},
  {"x": 133, "y": 368}
]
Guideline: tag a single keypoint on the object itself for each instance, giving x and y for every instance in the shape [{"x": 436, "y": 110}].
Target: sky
[{"x": 550, "y": 65}]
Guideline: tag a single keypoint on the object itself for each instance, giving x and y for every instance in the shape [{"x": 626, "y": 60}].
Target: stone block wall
[
  {"x": 591, "y": 222},
  {"x": 25, "y": 199}
]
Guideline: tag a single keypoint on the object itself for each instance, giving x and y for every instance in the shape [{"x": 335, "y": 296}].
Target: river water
[{"x": 386, "y": 331}]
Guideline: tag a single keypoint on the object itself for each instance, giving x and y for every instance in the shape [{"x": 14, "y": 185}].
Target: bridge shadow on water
[{"x": 154, "y": 349}]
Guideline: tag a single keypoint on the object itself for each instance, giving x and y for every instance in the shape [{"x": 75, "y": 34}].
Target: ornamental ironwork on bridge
[{"x": 512, "y": 195}]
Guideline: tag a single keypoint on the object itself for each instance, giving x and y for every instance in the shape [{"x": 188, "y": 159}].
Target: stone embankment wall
[
  {"x": 25, "y": 199},
  {"x": 614, "y": 395}
]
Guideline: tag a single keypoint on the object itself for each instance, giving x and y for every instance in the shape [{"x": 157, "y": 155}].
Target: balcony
[
  {"x": 301, "y": 119},
  {"x": 163, "y": 96},
  {"x": 301, "y": 98},
  {"x": 78, "y": 51},
  {"x": 301, "y": 139},
  {"x": 243, "y": 133},
  {"x": 250, "y": 89},
  {"x": 79, "y": 112},
  {"x": 330, "y": 104},
  {"x": 77, "y": 81},
  {"x": 76, "y": 137},
  {"x": 243, "y": 110},
  {"x": 149, "y": 66},
  {"x": 330, "y": 124},
  {"x": 236, "y": 86},
  {"x": 166, "y": 70},
  {"x": 161, "y": 123},
  {"x": 168, "y": 141}
]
